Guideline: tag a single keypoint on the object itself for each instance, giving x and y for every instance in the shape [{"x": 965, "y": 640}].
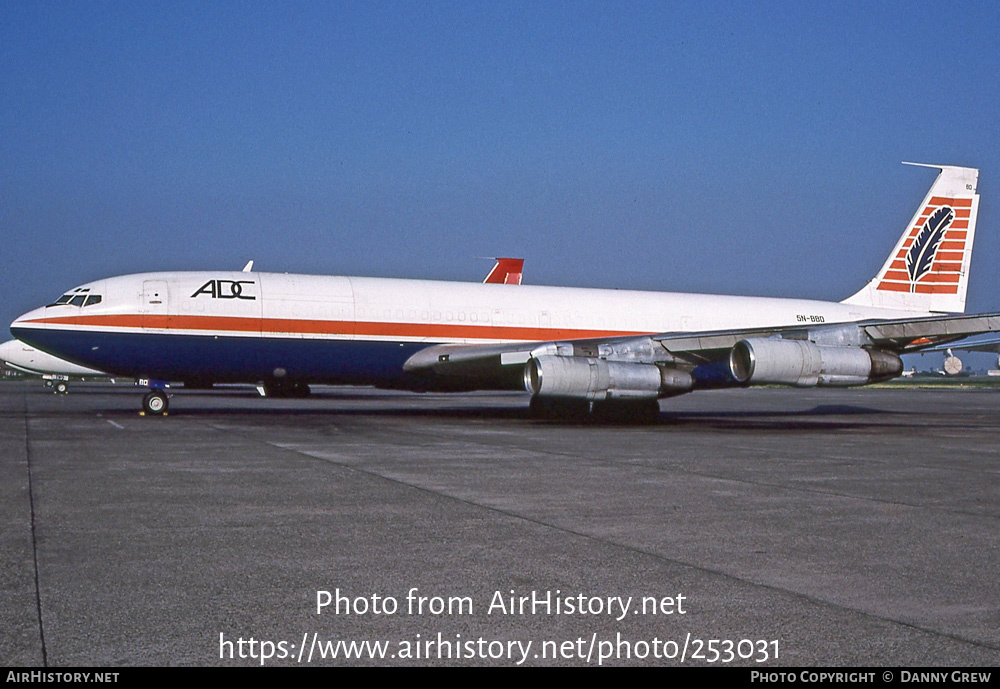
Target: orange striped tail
[{"x": 928, "y": 271}]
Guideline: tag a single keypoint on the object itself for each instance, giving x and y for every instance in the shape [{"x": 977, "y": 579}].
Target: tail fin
[
  {"x": 506, "y": 271},
  {"x": 928, "y": 271}
]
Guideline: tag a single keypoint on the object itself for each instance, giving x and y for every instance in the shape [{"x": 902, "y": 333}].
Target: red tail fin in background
[{"x": 507, "y": 271}]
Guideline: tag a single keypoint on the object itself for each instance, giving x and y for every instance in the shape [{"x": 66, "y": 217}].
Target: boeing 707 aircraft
[{"x": 575, "y": 349}]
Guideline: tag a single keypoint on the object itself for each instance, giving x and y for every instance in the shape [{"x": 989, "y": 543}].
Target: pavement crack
[{"x": 34, "y": 540}]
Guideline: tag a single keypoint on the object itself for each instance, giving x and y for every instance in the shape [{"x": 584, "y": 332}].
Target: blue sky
[{"x": 748, "y": 148}]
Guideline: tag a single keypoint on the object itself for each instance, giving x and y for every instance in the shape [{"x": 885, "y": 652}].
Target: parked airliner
[
  {"x": 570, "y": 348},
  {"x": 57, "y": 373}
]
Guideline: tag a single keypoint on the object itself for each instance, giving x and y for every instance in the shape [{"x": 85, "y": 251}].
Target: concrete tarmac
[{"x": 792, "y": 527}]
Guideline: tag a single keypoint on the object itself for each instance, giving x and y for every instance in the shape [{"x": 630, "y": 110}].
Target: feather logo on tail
[{"x": 920, "y": 257}]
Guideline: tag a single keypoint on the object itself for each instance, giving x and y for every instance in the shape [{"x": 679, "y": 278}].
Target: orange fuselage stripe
[{"x": 286, "y": 326}]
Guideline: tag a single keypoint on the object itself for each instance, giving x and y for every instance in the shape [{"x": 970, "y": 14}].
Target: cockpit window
[{"x": 78, "y": 297}]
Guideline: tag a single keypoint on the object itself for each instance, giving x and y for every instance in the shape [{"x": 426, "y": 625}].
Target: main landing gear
[
  {"x": 604, "y": 411},
  {"x": 285, "y": 389}
]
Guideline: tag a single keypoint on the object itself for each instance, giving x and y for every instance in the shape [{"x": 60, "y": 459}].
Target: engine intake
[
  {"x": 596, "y": 379},
  {"x": 766, "y": 361}
]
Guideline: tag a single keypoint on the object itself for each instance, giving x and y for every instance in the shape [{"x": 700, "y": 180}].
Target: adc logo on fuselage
[{"x": 225, "y": 289}]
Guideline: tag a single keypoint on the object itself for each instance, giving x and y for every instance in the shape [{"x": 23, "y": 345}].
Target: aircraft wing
[
  {"x": 900, "y": 336},
  {"x": 706, "y": 355}
]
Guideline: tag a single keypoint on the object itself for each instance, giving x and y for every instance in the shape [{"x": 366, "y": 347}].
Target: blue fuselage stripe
[{"x": 225, "y": 358}]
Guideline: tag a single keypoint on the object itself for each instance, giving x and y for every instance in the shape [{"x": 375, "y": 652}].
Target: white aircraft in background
[
  {"x": 572, "y": 349},
  {"x": 953, "y": 365},
  {"x": 57, "y": 373}
]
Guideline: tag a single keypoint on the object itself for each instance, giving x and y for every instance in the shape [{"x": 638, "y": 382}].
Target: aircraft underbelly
[{"x": 226, "y": 358}]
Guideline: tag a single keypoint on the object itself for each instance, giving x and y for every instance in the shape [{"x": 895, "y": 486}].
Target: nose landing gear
[{"x": 155, "y": 403}]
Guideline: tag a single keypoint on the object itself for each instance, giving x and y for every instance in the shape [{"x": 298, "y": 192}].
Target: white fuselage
[{"x": 248, "y": 326}]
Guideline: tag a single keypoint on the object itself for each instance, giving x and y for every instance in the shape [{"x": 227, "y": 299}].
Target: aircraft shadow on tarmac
[
  {"x": 347, "y": 403},
  {"x": 824, "y": 417}
]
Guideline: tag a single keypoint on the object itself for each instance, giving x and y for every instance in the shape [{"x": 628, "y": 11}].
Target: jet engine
[
  {"x": 597, "y": 379},
  {"x": 766, "y": 361}
]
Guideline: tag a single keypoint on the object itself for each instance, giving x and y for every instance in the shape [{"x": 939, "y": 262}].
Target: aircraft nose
[
  {"x": 25, "y": 321},
  {"x": 7, "y": 349}
]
